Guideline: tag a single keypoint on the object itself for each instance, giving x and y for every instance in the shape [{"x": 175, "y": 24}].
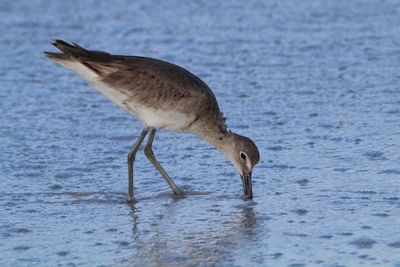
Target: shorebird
[{"x": 163, "y": 96}]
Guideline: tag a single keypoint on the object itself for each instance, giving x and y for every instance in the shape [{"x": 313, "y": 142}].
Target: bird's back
[{"x": 161, "y": 94}]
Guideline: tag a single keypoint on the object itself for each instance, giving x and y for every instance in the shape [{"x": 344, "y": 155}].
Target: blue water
[{"x": 314, "y": 83}]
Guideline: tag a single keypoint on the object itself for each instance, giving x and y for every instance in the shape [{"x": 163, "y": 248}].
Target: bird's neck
[
  {"x": 215, "y": 132},
  {"x": 219, "y": 140}
]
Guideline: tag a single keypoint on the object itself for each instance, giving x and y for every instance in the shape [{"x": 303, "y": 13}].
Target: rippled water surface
[{"x": 314, "y": 83}]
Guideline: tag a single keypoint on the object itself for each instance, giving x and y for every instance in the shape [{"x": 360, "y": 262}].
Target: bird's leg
[
  {"x": 148, "y": 151},
  {"x": 131, "y": 159}
]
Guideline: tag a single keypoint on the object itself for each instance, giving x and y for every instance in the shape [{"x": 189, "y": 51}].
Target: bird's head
[{"x": 244, "y": 155}]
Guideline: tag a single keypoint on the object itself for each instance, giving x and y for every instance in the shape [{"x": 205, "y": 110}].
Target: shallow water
[{"x": 315, "y": 84}]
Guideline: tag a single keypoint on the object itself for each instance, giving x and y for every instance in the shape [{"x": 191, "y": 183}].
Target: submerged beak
[{"x": 247, "y": 188}]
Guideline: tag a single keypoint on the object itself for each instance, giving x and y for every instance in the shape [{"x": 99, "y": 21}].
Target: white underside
[{"x": 151, "y": 117}]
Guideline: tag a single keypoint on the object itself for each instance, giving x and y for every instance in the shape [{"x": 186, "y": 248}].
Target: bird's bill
[{"x": 247, "y": 187}]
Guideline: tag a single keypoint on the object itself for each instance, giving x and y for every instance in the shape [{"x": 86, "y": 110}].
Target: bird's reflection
[
  {"x": 192, "y": 229},
  {"x": 249, "y": 219},
  {"x": 134, "y": 215}
]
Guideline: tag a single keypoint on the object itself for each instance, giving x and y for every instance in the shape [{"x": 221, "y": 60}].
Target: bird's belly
[
  {"x": 114, "y": 95},
  {"x": 172, "y": 120},
  {"x": 157, "y": 118}
]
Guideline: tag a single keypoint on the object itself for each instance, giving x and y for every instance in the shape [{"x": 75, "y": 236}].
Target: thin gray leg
[
  {"x": 148, "y": 151},
  {"x": 131, "y": 159}
]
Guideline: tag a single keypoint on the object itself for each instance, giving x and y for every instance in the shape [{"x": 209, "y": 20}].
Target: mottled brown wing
[
  {"x": 132, "y": 73},
  {"x": 153, "y": 81}
]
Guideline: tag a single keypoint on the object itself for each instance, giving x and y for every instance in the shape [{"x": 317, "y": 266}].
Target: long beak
[{"x": 247, "y": 188}]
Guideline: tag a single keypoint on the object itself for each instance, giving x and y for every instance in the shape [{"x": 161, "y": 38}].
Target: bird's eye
[{"x": 243, "y": 156}]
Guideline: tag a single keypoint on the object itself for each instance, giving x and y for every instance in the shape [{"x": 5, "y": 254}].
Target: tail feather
[
  {"x": 94, "y": 60},
  {"x": 79, "y": 53},
  {"x": 57, "y": 56}
]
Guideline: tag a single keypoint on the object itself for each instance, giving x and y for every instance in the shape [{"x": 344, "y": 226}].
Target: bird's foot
[{"x": 178, "y": 192}]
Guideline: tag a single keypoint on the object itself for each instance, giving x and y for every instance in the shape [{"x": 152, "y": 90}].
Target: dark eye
[{"x": 243, "y": 156}]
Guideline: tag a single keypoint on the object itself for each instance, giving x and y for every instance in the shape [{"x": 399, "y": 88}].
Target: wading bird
[{"x": 163, "y": 96}]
